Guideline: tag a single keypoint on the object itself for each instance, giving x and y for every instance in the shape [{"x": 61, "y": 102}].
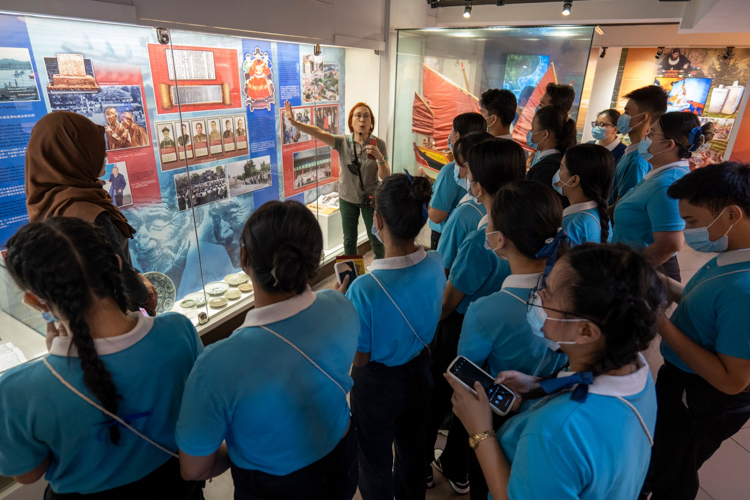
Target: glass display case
[
  {"x": 197, "y": 139},
  {"x": 442, "y": 72}
]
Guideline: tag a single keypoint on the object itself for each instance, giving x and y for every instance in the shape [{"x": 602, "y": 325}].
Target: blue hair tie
[
  {"x": 549, "y": 250},
  {"x": 425, "y": 207},
  {"x": 695, "y": 137}
]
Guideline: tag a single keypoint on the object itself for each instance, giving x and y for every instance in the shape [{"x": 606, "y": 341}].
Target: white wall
[{"x": 601, "y": 93}]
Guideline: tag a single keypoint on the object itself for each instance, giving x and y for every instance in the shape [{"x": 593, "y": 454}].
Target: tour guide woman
[{"x": 362, "y": 164}]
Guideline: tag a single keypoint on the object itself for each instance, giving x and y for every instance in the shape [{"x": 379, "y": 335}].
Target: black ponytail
[
  {"x": 67, "y": 262},
  {"x": 595, "y": 166},
  {"x": 402, "y": 203},
  {"x": 557, "y": 122}
]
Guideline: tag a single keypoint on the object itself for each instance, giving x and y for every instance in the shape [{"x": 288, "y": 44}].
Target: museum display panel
[
  {"x": 197, "y": 139},
  {"x": 441, "y": 73}
]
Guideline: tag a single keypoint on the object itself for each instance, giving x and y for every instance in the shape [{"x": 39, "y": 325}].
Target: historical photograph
[
  {"x": 249, "y": 175},
  {"x": 204, "y": 186},
  {"x": 167, "y": 148},
  {"x": 311, "y": 166},
  {"x": 200, "y": 140},
  {"x": 290, "y": 133},
  {"x": 117, "y": 184},
  {"x": 17, "y": 79},
  {"x": 227, "y": 134},
  {"x": 214, "y": 136},
  {"x": 327, "y": 118},
  {"x": 184, "y": 141},
  {"x": 240, "y": 131}
]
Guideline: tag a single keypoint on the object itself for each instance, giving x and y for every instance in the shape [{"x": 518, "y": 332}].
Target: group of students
[{"x": 146, "y": 412}]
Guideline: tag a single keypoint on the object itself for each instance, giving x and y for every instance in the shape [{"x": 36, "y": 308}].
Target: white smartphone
[
  {"x": 501, "y": 398},
  {"x": 345, "y": 268}
]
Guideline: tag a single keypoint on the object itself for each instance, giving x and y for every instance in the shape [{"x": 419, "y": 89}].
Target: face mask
[
  {"x": 698, "y": 239},
  {"x": 643, "y": 148},
  {"x": 462, "y": 183},
  {"x": 599, "y": 133},
  {"x": 48, "y": 317},
  {"x": 374, "y": 230},
  {"x": 623, "y": 124},
  {"x": 487, "y": 241},
  {"x": 530, "y": 142},
  {"x": 555, "y": 180},
  {"x": 537, "y": 316},
  {"x": 538, "y": 107}
]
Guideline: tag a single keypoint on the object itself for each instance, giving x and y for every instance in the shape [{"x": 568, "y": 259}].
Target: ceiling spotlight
[
  {"x": 603, "y": 52},
  {"x": 566, "y": 8},
  {"x": 729, "y": 53},
  {"x": 659, "y": 52},
  {"x": 467, "y": 10}
]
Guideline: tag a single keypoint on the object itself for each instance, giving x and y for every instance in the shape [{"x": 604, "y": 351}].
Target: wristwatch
[{"x": 478, "y": 438}]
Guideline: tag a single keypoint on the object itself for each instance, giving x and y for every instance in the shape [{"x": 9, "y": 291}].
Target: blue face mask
[
  {"x": 462, "y": 183},
  {"x": 529, "y": 141},
  {"x": 374, "y": 230},
  {"x": 599, "y": 133},
  {"x": 643, "y": 148},
  {"x": 699, "y": 241},
  {"x": 537, "y": 316},
  {"x": 48, "y": 317},
  {"x": 623, "y": 123},
  {"x": 556, "y": 180}
]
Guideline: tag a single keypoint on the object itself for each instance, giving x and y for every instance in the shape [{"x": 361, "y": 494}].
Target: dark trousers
[
  {"x": 671, "y": 269},
  {"x": 687, "y": 436},
  {"x": 165, "y": 483},
  {"x": 443, "y": 350},
  {"x": 389, "y": 405},
  {"x": 118, "y": 200},
  {"x": 434, "y": 239},
  {"x": 350, "y": 220},
  {"x": 333, "y": 477}
]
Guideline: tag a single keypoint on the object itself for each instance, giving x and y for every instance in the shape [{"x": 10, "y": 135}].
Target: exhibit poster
[
  {"x": 259, "y": 88},
  {"x": 685, "y": 94},
  {"x": 116, "y": 182}
]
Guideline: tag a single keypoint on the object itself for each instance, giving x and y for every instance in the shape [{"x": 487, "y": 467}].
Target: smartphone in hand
[
  {"x": 467, "y": 373},
  {"x": 345, "y": 268}
]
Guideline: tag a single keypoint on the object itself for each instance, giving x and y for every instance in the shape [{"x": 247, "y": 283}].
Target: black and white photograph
[
  {"x": 240, "y": 132},
  {"x": 17, "y": 78},
  {"x": 167, "y": 147},
  {"x": 249, "y": 175},
  {"x": 205, "y": 186},
  {"x": 311, "y": 166}
]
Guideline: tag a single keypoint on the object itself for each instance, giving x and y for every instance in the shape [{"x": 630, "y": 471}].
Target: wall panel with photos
[{"x": 196, "y": 136}]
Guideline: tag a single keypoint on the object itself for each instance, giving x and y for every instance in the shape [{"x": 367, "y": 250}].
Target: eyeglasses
[
  {"x": 362, "y": 117},
  {"x": 601, "y": 124}
]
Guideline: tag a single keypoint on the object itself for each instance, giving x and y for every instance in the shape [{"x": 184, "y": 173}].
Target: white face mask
[{"x": 537, "y": 317}]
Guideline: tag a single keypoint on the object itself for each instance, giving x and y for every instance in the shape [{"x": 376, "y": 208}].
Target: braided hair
[
  {"x": 616, "y": 289},
  {"x": 595, "y": 166},
  {"x": 67, "y": 262}
]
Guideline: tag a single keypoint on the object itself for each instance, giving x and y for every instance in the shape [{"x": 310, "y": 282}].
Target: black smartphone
[
  {"x": 467, "y": 373},
  {"x": 345, "y": 268}
]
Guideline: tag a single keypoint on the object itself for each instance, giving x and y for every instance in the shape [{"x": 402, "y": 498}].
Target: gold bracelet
[{"x": 478, "y": 438}]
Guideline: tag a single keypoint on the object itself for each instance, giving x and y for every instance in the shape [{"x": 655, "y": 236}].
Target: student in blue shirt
[
  {"x": 465, "y": 218},
  {"x": 599, "y": 305},
  {"x": 584, "y": 178},
  {"x": 645, "y": 105},
  {"x": 702, "y": 389},
  {"x": 475, "y": 273},
  {"x": 270, "y": 400},
  {"x": 552, "y": 133},
  {"x": 604, "y": 131},
  {"x": 646, "y": 218},
  {"x": 399, "y": 306},
  {"x": 446, "y": 193},
  {"x": 524, "y": 229},
  {"x": 96, "y": 417}
]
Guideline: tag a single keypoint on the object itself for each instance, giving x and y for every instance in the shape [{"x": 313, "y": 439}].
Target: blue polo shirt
[
  {"x": 277, "y": 412},
  {"x": 630, "y": 170},
  {"x": 713, "y": 308},
  {"x": 565, "y": 449},
  {"x": 40, "y": 416},
  {"x": 476, "y": 271},
  {"x": 446, "y": 194},
  {"x": 462, "y": 221},
  {"x": 416, "y": 283},
  {"x": 646, "y": 209},
  {"x": 495, "y": 331},
  {"x": 583, "y": 223}
]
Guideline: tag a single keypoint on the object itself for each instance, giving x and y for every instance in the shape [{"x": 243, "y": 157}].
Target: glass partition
[
  {"x": 197, "y": 140},
  {"x": 441, "y": 73}
]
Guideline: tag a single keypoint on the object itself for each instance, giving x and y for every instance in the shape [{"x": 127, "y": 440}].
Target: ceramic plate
[
  {"x": 236, "y": 279},
  {"x": 216, "y": 288},
  {"x": 218, "y": 303},
  {"x": 245, "y": 287},
  {"x": 165, "y": 291},
  {"x": 187, "y": 304},
  {"x": 198, "y": 297},
  {"x": 233, "y": 294}
]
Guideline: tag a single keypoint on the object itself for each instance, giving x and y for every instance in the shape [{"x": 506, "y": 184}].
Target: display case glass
[
  {"x": 441, "y": 73},
  {"x": 196, "y": 141}
]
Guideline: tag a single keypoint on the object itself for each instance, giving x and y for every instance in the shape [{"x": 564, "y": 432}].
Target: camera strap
[{"x": 399, "y": 309}]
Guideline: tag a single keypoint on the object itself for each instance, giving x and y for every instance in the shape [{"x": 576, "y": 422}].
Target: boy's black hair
[
  {"x": 561, "y": 95},
  {"x": 501, "y": 103},
  {"x": 715, "y": 187},
  {"x": 651, "y": 99}
]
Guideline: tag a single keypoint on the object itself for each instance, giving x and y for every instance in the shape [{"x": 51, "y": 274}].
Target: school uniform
[
  {"x": 583, "y": 223},
  {"x": 284, "y": 419},
  {"x": 615, "y": 147},
  {"x": 462, "y": 221},
  {"x": 694, "y": 417},
  {"x": 446, "y": 195},
  {"x": 588, "y": 450},
  {"x": 630, "y": 170},
  {"x": 41, "y": 416},
  {"x": 399, "y": 304},
  {"x": 646, "y": 209},
  {"x": 543, "y": 169}
]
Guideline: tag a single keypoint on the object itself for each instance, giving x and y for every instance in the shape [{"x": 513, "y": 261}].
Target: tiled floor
[{"x": 724, "y": 477}]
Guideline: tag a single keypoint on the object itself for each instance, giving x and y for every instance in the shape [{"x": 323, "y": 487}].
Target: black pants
[
  {"x": 333, "y": 477},
  {"x": 671, "y": 269},
  {"x": 443, "y": 349},
  {"x": 389, "y": 405},
  {"x": 118, "y": 200},
  {"x": 434, "y": 240},
  {"x": 687, "y": 436},
  {"x": 165, "y": 483}
]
